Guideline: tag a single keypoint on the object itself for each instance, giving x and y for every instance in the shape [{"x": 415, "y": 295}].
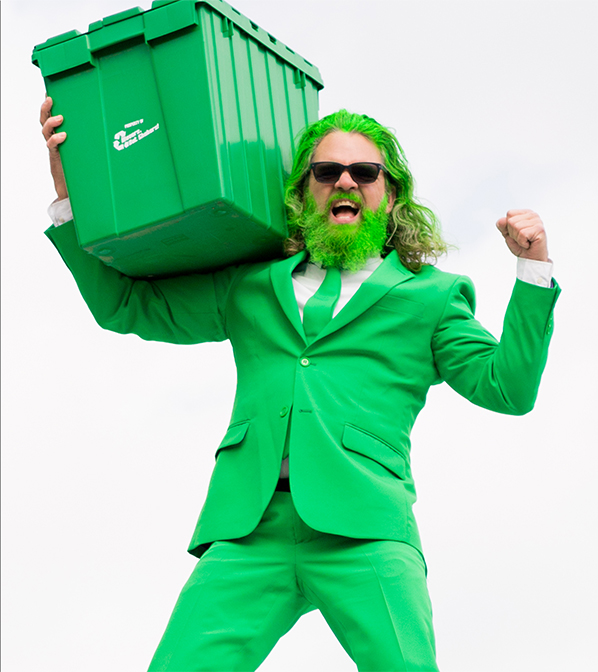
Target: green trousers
[{"x": 247, "y": 593}]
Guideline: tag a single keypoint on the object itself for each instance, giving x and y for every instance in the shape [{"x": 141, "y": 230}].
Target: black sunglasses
[{"x": 329, "y": 172}]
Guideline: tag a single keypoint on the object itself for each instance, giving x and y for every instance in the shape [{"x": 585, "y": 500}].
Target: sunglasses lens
[
  {"x": 327, "y": 172},
  {"x": 364, "y": 173}
]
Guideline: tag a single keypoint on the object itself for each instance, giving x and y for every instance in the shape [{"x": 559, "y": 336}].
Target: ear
[{"x": 392, "y": 195}]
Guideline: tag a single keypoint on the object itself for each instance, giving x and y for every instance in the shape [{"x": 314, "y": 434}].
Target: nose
[{"x": 345, "y": 182}]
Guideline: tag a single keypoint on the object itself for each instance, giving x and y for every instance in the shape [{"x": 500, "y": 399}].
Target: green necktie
[{"x": 318, "y": 310}]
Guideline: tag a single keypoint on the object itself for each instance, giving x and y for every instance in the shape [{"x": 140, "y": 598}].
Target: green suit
[
  {"x": 346, "y": 403},
  {"x": 346, "y": 542}
]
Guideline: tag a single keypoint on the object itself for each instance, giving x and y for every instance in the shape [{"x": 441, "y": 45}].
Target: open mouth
[{"x": 344, "y": 212}]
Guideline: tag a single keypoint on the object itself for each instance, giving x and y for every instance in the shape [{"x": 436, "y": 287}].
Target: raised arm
[
  {"x": 503, "y": 376},
  {"x": 186, "y": 309}
]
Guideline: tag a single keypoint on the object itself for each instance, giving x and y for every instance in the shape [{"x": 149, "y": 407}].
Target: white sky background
[{"x": 109, "y": 440}]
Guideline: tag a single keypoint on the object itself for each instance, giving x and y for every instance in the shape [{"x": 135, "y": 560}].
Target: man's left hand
[{"x": 524, "y": 234}]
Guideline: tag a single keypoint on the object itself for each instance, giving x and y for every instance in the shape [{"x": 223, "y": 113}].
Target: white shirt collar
[{"x": 315, "y": 271}]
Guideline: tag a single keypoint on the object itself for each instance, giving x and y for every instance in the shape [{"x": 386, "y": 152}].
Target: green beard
[{"x": 344, "y": 246}]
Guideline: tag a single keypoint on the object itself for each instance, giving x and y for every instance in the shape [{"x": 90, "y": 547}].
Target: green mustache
[{"x": 343, "y": 197}]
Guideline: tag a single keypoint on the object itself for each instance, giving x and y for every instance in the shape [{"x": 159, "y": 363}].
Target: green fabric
[
  {"x": 353, "y": 393},
  {"x": 319, "y": 308},
  {"x": 244, "y": 595}
]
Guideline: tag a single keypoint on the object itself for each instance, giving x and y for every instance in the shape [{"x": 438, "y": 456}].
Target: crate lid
[{"x": 72, "y": 49}]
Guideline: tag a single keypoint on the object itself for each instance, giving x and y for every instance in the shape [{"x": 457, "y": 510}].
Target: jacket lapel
[
  {"x": 389, "y": 274},
  {"x": 282, "y": 282}
]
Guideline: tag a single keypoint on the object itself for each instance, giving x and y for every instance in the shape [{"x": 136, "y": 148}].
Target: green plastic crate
[{"x": 180, "y": 123}]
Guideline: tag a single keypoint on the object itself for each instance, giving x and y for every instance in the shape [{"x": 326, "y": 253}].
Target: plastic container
[{"x": 180, "y": 123}]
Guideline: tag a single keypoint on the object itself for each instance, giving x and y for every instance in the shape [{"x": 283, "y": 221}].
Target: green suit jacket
[{"x": 345, "y": 403}]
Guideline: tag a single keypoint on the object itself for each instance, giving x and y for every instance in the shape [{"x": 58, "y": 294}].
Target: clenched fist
[{"x": 524, "y": 234}]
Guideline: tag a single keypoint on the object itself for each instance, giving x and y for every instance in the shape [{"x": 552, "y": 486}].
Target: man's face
[
  {"x": 344, "y": 224},
  {"x": 347, "y": 148}
]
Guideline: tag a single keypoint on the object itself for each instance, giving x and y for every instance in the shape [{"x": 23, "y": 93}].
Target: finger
[
  {"x": 515, "y": 226},
  {"x": 45, "y": 110},
  {"x": 528, "y": 214},
  {"x": 50, "y": 125},
  {"x": 526, "y": 236},
  {"x": 513, "y": 213},
  {"x": 501, "y": 225},
  {"x": 521, "y": 222},
  {"x": 518, "y": 236},
  {"x": 55, "y": 140},
  {"x": 524, "y": 219}
]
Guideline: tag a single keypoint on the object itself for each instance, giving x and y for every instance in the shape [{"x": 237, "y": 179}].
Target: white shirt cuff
[
  {"x": 60, "y": 211},
  {"x": 535, "y": 272}
]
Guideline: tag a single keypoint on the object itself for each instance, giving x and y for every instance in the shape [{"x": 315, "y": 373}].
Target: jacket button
[
  {"x": 305, "y": 362},
  {"x": 283, "y": 411}
]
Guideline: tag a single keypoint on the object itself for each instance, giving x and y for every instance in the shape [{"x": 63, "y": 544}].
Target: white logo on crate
[{"x": 124, "y": 139}]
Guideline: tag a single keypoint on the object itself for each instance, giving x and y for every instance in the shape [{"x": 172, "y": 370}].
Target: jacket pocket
[
  {"x": 363, "y": 443},
  {"x": 234, "y": 435},
  {"x": 397, "y": 304}
]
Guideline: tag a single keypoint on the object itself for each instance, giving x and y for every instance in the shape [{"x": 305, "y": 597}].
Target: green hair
[{"x": 413, "y": 229}]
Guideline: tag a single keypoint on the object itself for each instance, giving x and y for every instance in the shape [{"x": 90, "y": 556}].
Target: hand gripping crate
[{"x": 180, "y": 123}]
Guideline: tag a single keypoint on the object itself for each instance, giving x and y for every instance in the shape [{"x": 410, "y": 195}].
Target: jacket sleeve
[
  {"x": 501, "y": 376},
  {"x": 185, "y": 309}
]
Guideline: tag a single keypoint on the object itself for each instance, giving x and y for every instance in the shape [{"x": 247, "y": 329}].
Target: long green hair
[{"x": 413, "y": 229}]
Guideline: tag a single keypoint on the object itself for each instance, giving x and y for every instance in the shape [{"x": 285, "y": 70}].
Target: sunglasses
[{"x": 329, "y": 172}]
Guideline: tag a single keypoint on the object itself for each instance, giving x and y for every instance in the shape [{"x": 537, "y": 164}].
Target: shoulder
[
  {"x": 438, "y": 289},
  {"x": 252, "y": 276},
  {"x": 428, "y": 277},
  {"x": 250, "y": 268},
  {"x": 441, "y": 282}
]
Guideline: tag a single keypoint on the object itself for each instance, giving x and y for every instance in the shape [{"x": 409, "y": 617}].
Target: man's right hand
[{"x": 53, "y": 140}]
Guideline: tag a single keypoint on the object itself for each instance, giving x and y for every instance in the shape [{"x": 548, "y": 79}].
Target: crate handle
[
  {"x": 299, "y": 79},
  {"x": 228, "y": 27},
  {"x": 122, "y": 16},
  {"x": 169, "y": 18}
]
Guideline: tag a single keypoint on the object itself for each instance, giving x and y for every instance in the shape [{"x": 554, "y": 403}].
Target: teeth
[{"x": 345, "y": 204}]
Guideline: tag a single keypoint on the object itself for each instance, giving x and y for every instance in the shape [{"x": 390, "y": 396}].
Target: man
[{"x": 310, "y": 502}]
